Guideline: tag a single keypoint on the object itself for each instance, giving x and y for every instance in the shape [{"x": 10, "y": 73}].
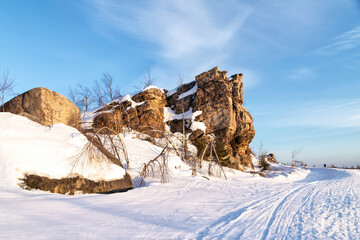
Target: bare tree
[
  {"x": 184, "y": 140},
  {"x": 84, "y": 97},
  {"x": 72, "y": 95},
  {"x": 109, "y": 91},
  {"x": 6, "y": 86},
  {"x": 98, "y": 94}
]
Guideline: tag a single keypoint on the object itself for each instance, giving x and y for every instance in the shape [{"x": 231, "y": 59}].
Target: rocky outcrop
[
  {"x": 271, "y": 158},
  {"x": 212, "y": 105},
  {"x": 76, "y": 184},
  {"x": 45, "y": 107},
  {"x": 220, "y": 100},
  {"x": 144, "y": 112}
]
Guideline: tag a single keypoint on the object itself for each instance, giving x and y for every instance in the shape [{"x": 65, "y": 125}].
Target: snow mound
[{"x": 27, "y": 147}]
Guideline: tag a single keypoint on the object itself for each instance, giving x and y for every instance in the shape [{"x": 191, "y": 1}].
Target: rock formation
[
  {"x": 221, "y": 101},
  {"x": 271, "y": 158},
  {"x": 45, "y": 107},
  {"x": 77, "y": 184},
  {"x": 212, "y": 101},
  {"x": 144, "y": 112}
]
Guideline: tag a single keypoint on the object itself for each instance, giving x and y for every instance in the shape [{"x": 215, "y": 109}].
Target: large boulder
[{"x": 45, "y": 107}]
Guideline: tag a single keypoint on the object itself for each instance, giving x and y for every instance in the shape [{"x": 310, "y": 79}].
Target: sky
[{"x": 300, "y": 59}]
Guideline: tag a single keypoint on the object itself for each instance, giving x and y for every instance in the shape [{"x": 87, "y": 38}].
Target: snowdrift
[{"x": 27, "y": 147}]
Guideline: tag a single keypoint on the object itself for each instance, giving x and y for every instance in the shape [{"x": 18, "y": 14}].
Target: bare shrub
[
  {"x": 88, "y": 154},
  {"x": 156, "y": 168},
  {"x": 171, "y": 145},
  {"x": 215, "y": 164},
  {"x": 146, "y": 82},
  {"x": 263, "y": 163},
  {"x": 104, "y": 139}
]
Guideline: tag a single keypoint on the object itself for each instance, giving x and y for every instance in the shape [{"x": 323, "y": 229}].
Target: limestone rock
[{"x": 45, "y": 107}]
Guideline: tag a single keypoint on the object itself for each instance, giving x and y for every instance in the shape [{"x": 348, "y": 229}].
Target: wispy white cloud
[
  {"x": 176, "y": 28},
  {"x": 345, "y": 41},
  {"x": 195, "y": 36},
  {"x": 185, "y": 37}
]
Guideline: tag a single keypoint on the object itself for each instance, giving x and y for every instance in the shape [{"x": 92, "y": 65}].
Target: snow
[
  {"x": 170, "y": 115},
  {"x": 151, "y": 87},
  {"x": 185, "y": 94},
  {"x": 133, "y": 103},
  {"x": 190, "y": 92},
  {"x": 171, "y": 92},
  {"x": 87, "y": 119},
  {"x": 27, "y": 147},
  {"x": 290, "y": 203},
  {"x": 198, "y": 125}
]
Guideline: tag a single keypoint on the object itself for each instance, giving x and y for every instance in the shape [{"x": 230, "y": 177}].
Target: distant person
[{"x": 324, "y": 165}]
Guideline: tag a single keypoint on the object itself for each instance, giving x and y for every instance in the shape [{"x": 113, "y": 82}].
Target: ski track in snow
[
  {"x": 324, "y": 209},
  {"x": 324, "y": 205}
]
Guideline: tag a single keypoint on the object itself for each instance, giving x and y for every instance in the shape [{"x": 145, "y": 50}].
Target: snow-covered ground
[
  {"x": 325, "y": 205},
  {"x": 288, "y": 204},
  {"x": 27, "y": 147}
]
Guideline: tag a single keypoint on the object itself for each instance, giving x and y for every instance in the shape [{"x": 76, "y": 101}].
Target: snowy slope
[
  {"x": 28, "y": 147},
  {"x": 289, "y": 204}
]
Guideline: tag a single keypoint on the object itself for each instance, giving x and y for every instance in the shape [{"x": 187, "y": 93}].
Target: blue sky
[{"x": 300, "y": 59}]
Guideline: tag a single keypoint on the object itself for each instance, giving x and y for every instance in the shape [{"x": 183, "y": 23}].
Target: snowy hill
[{"x": 27, "y": 147}]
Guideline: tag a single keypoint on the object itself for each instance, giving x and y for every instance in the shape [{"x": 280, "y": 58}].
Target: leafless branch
[
  {"x": 6, "y": 85},
  {"x": 109, "y": 91},
  {"x": 157, "y": 166}
]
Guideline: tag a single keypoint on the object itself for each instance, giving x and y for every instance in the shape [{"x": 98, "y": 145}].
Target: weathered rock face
[
  {"x": 76, "y": 184},
  {"x": 45, "y": 107},
  {"x": 218, "y": 99},
  {"x": 144, "y": 112}
]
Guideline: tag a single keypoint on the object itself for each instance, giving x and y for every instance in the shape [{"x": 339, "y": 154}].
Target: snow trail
[{"x": 324, "y": 205}]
